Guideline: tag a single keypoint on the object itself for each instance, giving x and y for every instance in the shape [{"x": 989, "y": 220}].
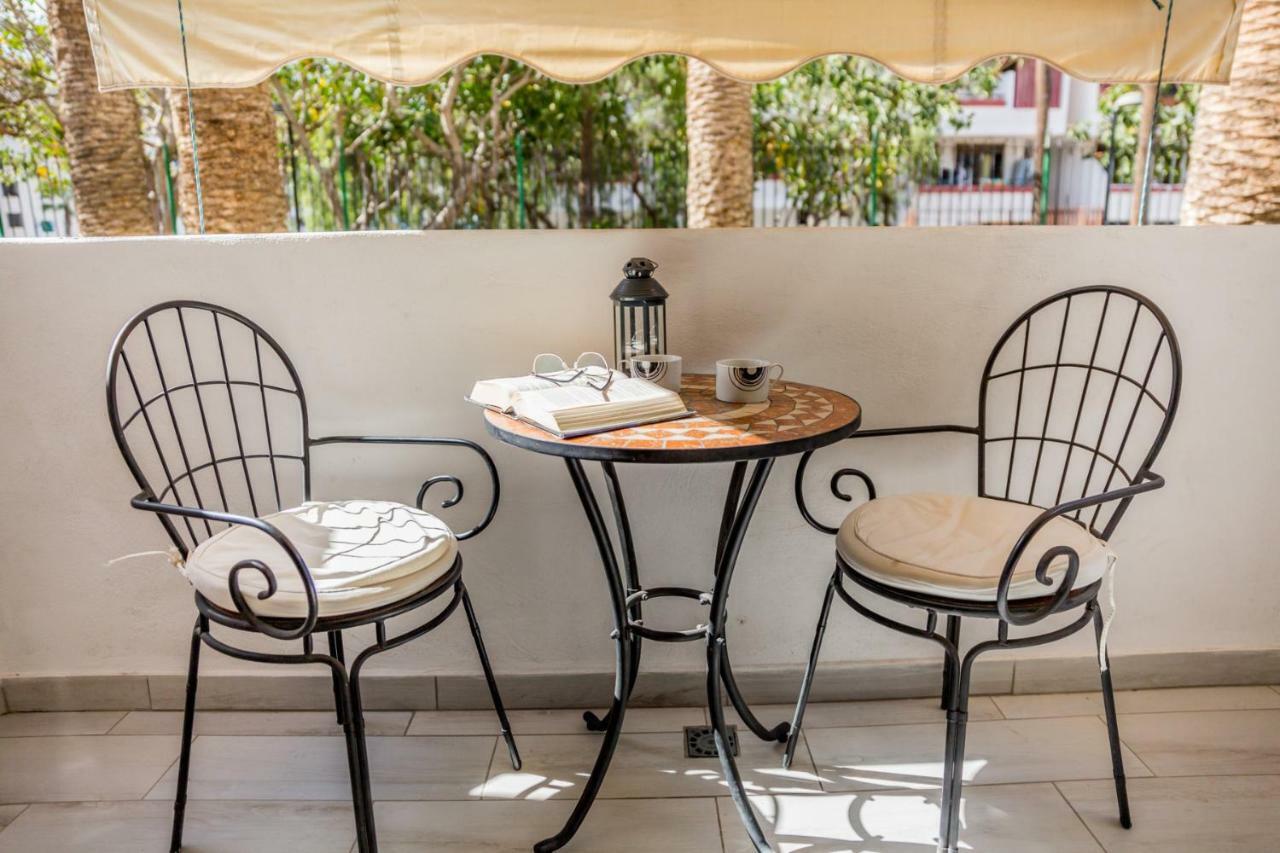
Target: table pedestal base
[{"x": 626, "y": 599}]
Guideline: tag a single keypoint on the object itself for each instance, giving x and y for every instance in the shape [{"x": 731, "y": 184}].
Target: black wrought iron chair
[
  {"x": 212, "y": 421},
  {"x": 1075, "y": 403}
]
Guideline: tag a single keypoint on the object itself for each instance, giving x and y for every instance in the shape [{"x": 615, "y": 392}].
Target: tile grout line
[
  {"x": 724, "y": 842},
  {"x": 813, "y": 762},
  {"x": 20, "y": 813},
  {"x": 1124, "y": 745},
  {"x": 815, "y": 794},
  {"x": 1083, "y": 822},
  {"x": 172, "y": 764},
  {"x": 117, "y": 723},
  {"x": 488, "y": 772}
]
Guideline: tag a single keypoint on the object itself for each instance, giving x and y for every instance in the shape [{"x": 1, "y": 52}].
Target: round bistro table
[{"x": 797, "y": 418}]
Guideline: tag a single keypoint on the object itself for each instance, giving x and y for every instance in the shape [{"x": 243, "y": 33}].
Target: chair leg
[
  {"x": 336, "y": 652},
  {"x": 807, "y": 683},
  {"x": 352, "y": 710},
  {"x": 948, "y": 668},
  {"x": 503, "y": 723},
  {"x": 953, "y": 760},
  {"x": 1113, "y": 728},
  {"x": 188, "y": 731}
]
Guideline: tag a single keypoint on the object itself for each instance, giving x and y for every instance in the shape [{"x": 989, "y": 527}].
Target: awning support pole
[
  {"x": 191, "y": 120},
  {"x": 1155, "y": 118}
]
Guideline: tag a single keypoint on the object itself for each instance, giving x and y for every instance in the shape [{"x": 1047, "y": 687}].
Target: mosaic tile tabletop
[{"x": 793, "y": 413}]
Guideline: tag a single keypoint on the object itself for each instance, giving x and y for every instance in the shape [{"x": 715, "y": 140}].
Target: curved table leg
[
  {"x": 624, "y": 653},
  {"x": 781, "y": 732},
  {"x": 717, "y": 655},
  {"x": 623, "y": 525}
]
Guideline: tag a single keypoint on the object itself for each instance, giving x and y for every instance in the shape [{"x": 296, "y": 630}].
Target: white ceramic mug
[
  {"x": 661, "y": 369},
  {"x": 745, "y": 380}
]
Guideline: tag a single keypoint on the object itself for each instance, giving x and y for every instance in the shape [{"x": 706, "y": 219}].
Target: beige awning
[{"x": 240, "y": 42}]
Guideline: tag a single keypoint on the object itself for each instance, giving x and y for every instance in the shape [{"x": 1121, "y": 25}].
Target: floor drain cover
[{"x": 700, "y": 741}]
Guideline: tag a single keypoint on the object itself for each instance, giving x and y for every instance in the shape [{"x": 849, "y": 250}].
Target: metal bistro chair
[
  {"x": 212, "y": 421},
  {"x": 1075, "y": 403}
]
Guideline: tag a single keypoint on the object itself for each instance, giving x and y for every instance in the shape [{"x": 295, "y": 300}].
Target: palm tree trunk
[
  {"x": 103, "y": 135},
  {"x": 240, "y": 165},
  {"x": 1235, "y": 154},
  {"x": 718, "y": 126},
  {"x": 1146, "y": 118}
]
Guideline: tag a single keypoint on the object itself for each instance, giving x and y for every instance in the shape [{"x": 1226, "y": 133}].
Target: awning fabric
[{"x": 241, "y": 42}]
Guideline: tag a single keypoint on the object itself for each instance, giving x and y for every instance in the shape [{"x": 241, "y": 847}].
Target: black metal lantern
[{"x": 639, "y": 313}]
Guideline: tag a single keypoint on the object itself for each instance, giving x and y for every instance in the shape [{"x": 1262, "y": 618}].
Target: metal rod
[
  {"x": 1155, "y": 118},
  {"x": 191, "y": 119}
]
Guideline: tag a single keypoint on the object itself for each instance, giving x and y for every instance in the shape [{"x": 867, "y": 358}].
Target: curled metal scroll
[
  {"x": 260, "y": 624},
  {"x": 441, "y": 478},
  {"x": 1064, "y": 586},
  {"x": 835, "y": 490}
]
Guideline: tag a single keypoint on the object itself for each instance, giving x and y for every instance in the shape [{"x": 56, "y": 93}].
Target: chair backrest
[
  {"x": 208, "y": 412},
  {"x": 1077, "y": 399}
]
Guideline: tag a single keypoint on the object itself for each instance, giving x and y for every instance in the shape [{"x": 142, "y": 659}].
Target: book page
[
  {"x": 500, "y": 393},
  {"x": 563, "y": 398}
]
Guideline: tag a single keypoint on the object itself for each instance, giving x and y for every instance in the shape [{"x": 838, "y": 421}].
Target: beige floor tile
[
  {"x": 645, "y": 765},
  {"x": 996, "y": 752},
  {"x": 550, "y": 722},
  {"x": 613, "y": 826},
  {"x": 315, "y": 768},
  {"x": 9, "y": 813},
  {"x": 994, "y": 819},
  {"x": 75, "y": 767},
  {"x": 825, "y": 715},
  {"x": 1205, "y": 742},
  {"x": 132, "y": 827},
  {"x": 63, "y": 723},
  {"x": 1186, "y": 815},
  {"x": 385, "y": 723},
  {"x": 1139, "y": 701}
]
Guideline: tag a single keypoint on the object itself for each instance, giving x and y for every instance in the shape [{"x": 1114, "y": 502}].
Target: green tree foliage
[
  {"x": 28, "y": 87},
  {"x": 1176, "y": 117},
  {"x": 445, "y": 154},
  {"x": 819, "y": 129}
]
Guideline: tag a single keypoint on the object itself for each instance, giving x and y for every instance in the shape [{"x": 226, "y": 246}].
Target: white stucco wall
[{"x": 389, "y": 330}]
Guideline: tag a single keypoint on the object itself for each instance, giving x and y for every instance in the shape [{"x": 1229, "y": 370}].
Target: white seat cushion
[
  {"x": 956, "y": 546},
  {"x": 362, "y": 555}
]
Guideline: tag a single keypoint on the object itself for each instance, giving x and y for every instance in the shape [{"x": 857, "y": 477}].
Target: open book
[
  {"x": 579, "y": 409},
  {"x": 499, "y": 394}
]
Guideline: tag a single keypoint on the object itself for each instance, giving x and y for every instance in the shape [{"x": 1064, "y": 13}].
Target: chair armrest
[
  {"x": 439, "y": 478},
  {"x": 144, "y": 501},
  {"x": 1148, "y": 481},
  {"x": 861, "y": 475}
]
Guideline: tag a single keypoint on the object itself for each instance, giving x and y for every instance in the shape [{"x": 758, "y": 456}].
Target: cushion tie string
[
  {"x": 1109, "y": 581},
  {"x": 173, "y": 554}
]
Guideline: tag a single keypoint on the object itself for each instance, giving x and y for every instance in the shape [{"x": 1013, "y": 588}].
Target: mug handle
[{"x": 779, "y": 376}]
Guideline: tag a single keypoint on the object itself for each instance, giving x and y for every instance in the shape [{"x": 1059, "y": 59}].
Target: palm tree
[
  {"x": 718, "y": 127},
  {"x": 240, "y": 171},
  {"x": 1235, "y": 153},
  {"x": 102, "y": 133}
]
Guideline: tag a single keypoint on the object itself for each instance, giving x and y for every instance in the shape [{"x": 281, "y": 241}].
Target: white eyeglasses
[{"x": 591, "y": 367}]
